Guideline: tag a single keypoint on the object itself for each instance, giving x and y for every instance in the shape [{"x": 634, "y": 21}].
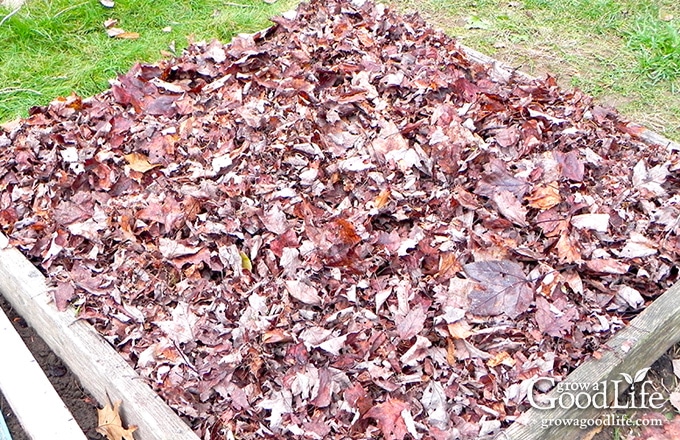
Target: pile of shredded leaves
[{"x": 341, "y": 227}]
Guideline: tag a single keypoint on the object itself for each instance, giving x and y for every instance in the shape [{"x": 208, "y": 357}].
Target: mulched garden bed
[{"x": 342, "y": 227}]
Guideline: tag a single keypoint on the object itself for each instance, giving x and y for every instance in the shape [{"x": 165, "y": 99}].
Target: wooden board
[
  {"x": 99, "y": 367},
  {"x": 36, "y": 404},
  {"x": 637, "y": 346}
]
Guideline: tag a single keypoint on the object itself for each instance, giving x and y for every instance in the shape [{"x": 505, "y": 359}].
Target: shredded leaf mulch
[{"x": 341, "y": 227}]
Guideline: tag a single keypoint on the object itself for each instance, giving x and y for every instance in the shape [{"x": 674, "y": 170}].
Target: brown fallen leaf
[
  {"x": 383, "y": 198},
  {"x": 554, "y": 321},
  {"x": 607, "y": 265},
  {"x": 567, "y": 249},
  {"x": 502, "y": 288},
  {"x": 139, "y": 162},
  {"x": 276, "y": 336},
  {"x": 510, "y": 207},
  {"x": 110, "y": 424},
  {"x": 665, "y": 14},
  {"x": 115, "y": 32},
  {"x": 501, "y": 358},
  {"x": 389, "y": 418},
  {"x": 303, "y": 292},
  {"x": 112, "y": 31},
  {"x": 128, "y": 36},
  {"x": 412, "y": 323},
  {"x": 460, "y": 330},
  {"x": 448, "y": 266},
  {"x": 545, "y": 196}
]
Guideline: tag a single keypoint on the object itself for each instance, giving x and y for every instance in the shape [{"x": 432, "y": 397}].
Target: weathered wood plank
[
  {"x": 4, "y": 431},
  {"x": 40, "y": 410},
  {"x": 99, "y": 367},
  {"x": 637, "y": 346}
]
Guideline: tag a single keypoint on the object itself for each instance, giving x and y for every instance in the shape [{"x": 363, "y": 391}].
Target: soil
[{"x": 78, "y": 401}]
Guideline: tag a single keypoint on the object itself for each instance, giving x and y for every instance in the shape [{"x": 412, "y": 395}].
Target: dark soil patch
[{"x": 78, "y": 401}]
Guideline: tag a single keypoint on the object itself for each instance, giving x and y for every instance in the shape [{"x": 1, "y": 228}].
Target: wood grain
[
  {"x": 637, "y": 346},
  {"x": 99, "y": 367},
  {"x": 37, "y": 406}
]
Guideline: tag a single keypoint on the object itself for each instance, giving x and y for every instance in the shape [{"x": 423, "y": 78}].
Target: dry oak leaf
[{"x": 110, "y": 424}]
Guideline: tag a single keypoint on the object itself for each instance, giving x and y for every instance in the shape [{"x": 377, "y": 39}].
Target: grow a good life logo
[{"x": 629, "y": 392}]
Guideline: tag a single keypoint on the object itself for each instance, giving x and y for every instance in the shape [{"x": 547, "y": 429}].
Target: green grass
[
  {"x": 658, "y": 49},
  {"x": 50, "y": 48},
  {"x": 626, "y": 53}
]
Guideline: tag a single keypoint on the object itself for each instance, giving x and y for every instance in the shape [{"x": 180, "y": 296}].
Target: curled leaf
[{"x": 110, "y": 424}]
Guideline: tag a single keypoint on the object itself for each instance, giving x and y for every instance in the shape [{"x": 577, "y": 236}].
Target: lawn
[
  {"x": 624, "y": 52},
  {"x": 52, "y": 47}
]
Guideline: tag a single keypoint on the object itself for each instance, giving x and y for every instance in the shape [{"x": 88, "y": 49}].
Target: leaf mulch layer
[{"x": 341, "y": 227}]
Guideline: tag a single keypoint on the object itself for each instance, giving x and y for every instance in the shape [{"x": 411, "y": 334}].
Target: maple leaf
[
  {"x": 390, "y": 420},
  {"x": 650, "y": 180},
  {"x": 502, "y": 288},
  {"x": 110, "y": 424},
  {"x": 181, "y": 328},
  {"x": 279, "y": 403}
]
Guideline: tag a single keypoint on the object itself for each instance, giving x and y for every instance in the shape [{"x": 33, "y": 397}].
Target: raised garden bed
[{"x": 342, "y": 226}]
